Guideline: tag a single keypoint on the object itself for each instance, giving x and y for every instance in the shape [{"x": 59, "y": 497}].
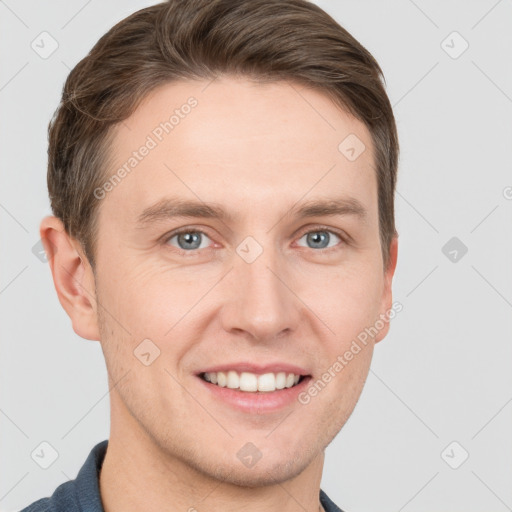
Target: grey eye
[
  {"x": 320, "y": 239},
  {"x": 189, "y": 240}
]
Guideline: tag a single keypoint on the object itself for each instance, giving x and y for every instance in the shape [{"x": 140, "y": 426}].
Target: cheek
[
  {"x": 150, "y": 298},
  {"x": 155, "y": 304},
  {"x": 347, "y": 300}
]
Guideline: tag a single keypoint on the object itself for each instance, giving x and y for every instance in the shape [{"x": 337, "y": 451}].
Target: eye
[
  {"x": 321, "y": 238},
  {"x": 188, "y": 240}
]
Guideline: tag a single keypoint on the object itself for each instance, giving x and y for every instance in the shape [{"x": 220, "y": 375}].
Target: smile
[{"x": 252, "y": 382}]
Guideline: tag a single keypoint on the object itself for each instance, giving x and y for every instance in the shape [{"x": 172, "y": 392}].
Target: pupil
[{"x": 316, "y": 239}]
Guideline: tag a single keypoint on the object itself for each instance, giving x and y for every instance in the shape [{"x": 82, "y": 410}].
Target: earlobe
[
  {"x": 387, "y": 294},
  {"x": 73, "y": 277}
]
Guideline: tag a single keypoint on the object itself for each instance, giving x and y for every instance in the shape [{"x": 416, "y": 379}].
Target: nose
[{"x": 260, "y": 302}]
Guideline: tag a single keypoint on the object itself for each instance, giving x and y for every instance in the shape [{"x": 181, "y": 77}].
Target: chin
[{"x": 262, "y": 474}]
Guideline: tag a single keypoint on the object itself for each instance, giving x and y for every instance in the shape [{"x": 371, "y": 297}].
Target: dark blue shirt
[{"x": 83, "y": 493}]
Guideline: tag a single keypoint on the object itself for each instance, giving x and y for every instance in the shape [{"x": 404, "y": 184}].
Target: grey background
[{"x": 442, "y": 374}]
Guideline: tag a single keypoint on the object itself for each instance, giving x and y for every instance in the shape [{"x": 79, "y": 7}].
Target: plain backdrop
[{"x": 432, "y": 430}]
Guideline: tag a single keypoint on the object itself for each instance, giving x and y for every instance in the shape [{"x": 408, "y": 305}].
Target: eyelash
[{"x": 194, "y": 252}]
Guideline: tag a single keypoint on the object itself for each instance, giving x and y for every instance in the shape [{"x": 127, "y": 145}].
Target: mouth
[
  {"x": 249, "y": 382},
  {"x": 255, "y": 388}
]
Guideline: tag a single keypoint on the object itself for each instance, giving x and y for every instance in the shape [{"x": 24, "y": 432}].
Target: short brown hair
[{"x": 264, "y": 40}]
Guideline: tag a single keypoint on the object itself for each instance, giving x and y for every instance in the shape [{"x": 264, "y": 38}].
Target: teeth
[
  {"x": 233, "y": 380},
  {"x": 280, "y": 380},
  {"x": 247, "y": 381},
  {"x": 221, "y": 379},
  {"x": 267, "y": 382}
]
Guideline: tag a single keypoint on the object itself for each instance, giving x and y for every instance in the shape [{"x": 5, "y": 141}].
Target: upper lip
[{"x": 258, "y": 369}]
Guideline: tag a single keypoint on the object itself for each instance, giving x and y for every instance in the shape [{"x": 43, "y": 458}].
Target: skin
[{"x": 256, "y": 150}]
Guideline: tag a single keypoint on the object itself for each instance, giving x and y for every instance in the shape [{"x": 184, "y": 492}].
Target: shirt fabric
[{"x": 83, "y": 493}]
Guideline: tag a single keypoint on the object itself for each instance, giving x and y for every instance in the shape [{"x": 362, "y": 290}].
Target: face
[{"x": 244, "y": 240}]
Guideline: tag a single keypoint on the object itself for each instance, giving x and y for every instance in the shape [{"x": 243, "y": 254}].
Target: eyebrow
[
  {"x": 173, "y": 207},
  {"x": 168, "y": 208},
  {"x": 323, "y": 207}
]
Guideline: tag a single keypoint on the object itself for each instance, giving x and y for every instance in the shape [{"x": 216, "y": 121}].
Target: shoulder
[
  {"x": 41, "y": 505},
  {"x": 79, "y": 494},
  {"x": 63, "y": 499},
  {"x": 328, "y": 504}
]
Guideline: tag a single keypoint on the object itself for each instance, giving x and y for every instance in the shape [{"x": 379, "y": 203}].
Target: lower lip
[{"x": 257, "y": 402}]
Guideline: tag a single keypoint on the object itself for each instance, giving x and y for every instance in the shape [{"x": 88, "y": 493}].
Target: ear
[
  {"x": 387, "y": 294},
  {"x": 73, "y": 277}
]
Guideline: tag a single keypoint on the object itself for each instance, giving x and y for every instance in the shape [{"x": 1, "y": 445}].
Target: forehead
[{"x": 242, "y": 143}]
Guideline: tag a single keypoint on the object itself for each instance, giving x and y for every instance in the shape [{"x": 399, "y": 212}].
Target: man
[{"x": 221, "y": 174}]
